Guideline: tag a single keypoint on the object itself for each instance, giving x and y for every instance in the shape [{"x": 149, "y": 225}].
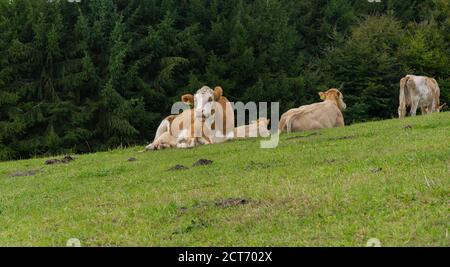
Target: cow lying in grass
[
  {"x": 326, "y": 114},
  {"x": 418, "y": 91},
  {"x": 210, "y": 121},
  {"x": 256, "y": 128}
]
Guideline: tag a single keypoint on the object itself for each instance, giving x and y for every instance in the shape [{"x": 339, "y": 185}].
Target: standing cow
[{"x": 418, "y": 91}]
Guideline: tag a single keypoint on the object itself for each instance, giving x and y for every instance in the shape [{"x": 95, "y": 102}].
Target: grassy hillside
[{"x": 336, "y": 187}]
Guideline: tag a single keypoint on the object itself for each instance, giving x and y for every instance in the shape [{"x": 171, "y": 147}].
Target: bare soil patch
[
  {"x": 24, "y": 173},
  {"x": 202, "y": 162},
  {"x": 178, "y": 168},
  {"x": 65, "y": 159}
]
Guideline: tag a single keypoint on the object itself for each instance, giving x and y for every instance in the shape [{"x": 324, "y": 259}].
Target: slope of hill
[{"x": 388, "y": 180}]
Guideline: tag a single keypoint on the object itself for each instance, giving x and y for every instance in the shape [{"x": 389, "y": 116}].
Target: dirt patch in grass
[
  {"x": 132, "y": 159},
  {"x": 66, "y": 159},
  {"x": 202, "y": 162},
  {"x": 24, "y": 173},
  {"x": 183, "y": 209},
  {"x": 52, "y": 161},
  {"x": 195, "y": 224},
  {"x": 254, "y": 165},
  {"x": 375, "y": 170},
  {"x": 347, "y": 137},
  {"x": 196, "y": 206},
  {"x": 232, "y": 202},
  {"x": 303, "y": 136},
  {"x": 178, "y": 168},
  {"x": 222, "y": 203}
]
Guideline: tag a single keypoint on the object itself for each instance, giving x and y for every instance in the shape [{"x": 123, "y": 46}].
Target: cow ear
[
  {"x": 188, "y": 99},
  {"x": 322, "y": 95},
  {"x": 218, "y": 92}
]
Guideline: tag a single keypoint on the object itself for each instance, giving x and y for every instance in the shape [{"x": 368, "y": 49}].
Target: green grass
[{"x": 339, "y": 187}]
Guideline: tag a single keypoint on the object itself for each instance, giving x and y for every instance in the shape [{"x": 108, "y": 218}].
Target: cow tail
[{"x": 437, "y": 95}]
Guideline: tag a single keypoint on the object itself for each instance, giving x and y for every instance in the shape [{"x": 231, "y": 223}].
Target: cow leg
[
  {"x": 432, "y": 107},
  {"x": 423, "y": 110},
  {"x": 163, "y": 141},
  {"x": 414, "y": 109},
  {"x": 401, "y": 112},
  {"x": 150, "y": 146},
  {"x": 155, "y": 145},
  {"x": 429, "y": 109},
  {"x": 187, "y": 143},
  {"x": 340, "y": 122},
  {"x": 184, "y": 140}
]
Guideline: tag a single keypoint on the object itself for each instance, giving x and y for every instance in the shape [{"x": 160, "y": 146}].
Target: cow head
[
  {"x": 441, "y": 107},
  {"x": 334, "y": 95},
  {"x": 203, "y": 101}
]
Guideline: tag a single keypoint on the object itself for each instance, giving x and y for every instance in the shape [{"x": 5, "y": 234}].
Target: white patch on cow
[
  {"x": 422, "y": 89},
  {"x": 230, "y": 135},
  {"x": 182, "y": 145},
  {"x": 182, "y": 139},
  {"x": 204, "y": 102}
]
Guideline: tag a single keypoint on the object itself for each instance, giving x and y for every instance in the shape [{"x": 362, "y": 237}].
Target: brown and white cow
[
  {"x": 210, "y": 121},
  {"x": 326, "y": 114},
  {"x": 418, "y": 91}
]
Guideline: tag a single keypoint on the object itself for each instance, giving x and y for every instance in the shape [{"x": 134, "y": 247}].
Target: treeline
[{"x": 89, "y": 76}]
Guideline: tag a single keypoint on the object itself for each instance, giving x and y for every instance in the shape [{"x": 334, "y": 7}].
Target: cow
[
  {"x": 418, "y": 91},
  {"x": 256, "y": 128},
  {"x": 326, "y": 114},
  {"x": 210, "y": 121}
]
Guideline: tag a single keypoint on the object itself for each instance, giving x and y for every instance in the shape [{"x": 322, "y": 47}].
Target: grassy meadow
[{"x": 388, "y": 180}]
